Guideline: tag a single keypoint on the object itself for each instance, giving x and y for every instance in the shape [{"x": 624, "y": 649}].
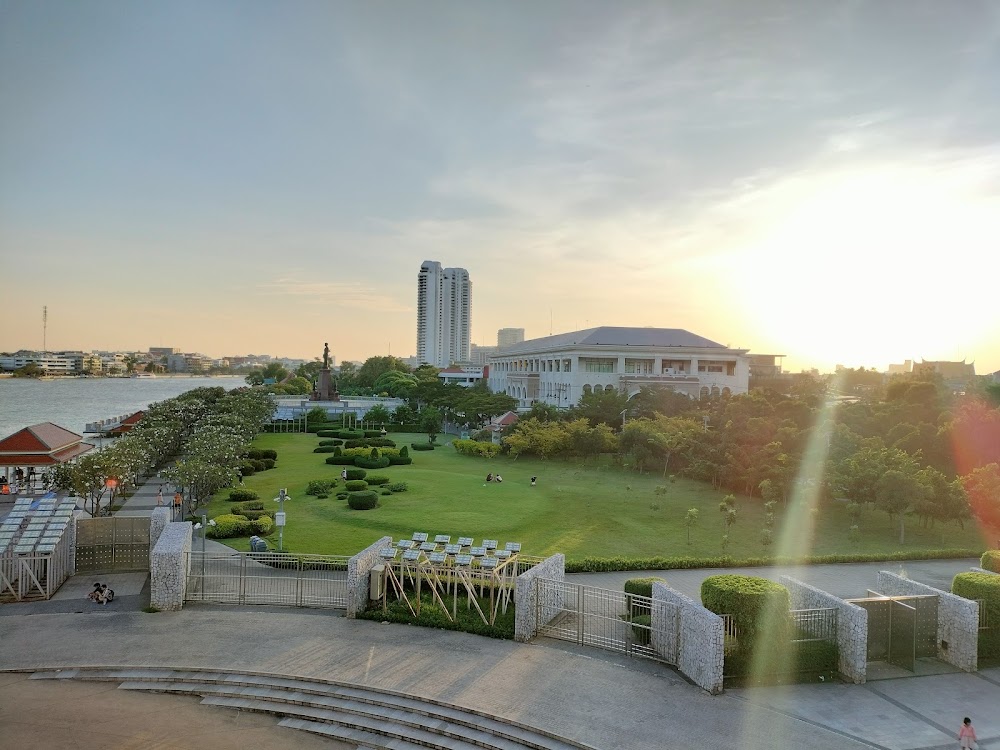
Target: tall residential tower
[{"x": 443, "y": 302}]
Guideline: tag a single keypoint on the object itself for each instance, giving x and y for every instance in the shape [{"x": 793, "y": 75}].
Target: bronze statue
[{"x": 326, "y": 356}]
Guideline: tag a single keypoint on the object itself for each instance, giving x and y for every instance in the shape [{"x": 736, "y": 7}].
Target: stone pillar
[
  {"x": 852, "y": 625},
  {"x": 697, "y": 641},
  {"x": 958, "y": 619},
  {"x": 358, "y": 569},
  {"x": 158, "y": 521},
  {"x": 526, "y": 618},
  {"x": 168, "y": 566}
]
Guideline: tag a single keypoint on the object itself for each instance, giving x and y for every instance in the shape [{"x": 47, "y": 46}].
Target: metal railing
[
  {"x": 985, "y": 621},
  {"x": 268, "y": 578},
  {"x": 806, "y": 625}
]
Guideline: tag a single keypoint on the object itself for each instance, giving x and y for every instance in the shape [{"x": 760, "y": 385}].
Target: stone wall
[
  {"x": 549, "y": 604},
  {"x": 168, "y": 566},
  {"x": 358, "y": 568},
  {"x": 958, "y": 619},
  {"x": 700, "y": 648},
  {"x": 852, "y": 625},
  {"x": 158, "y": 521}
]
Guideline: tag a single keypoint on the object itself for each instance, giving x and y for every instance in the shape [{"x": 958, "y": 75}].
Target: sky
[{"x": 811, "y": 178}]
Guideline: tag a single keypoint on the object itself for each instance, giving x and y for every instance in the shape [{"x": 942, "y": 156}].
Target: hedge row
[
  {"x": 422, "y": 446},
  {"x": 990, "y": 560},
  {"x": 364, "y": 500},
  {"x": 609, "y": 564},
  {"x": 369, "y": 463},
  {"x": 754, "y": 603},
  {"x": 241, "y": 494},
  {"x": 641, "y": 586},
  {"x": 259, "y": 454},
  {"x": 229, "y": 525},
  {"x": 984, "y": 586},
  {"x": 787, "y": 660},
  {"x": 476, "y": 448},
  {"x": 379, "y": 442},
  {"x": 331, "y": 442}
]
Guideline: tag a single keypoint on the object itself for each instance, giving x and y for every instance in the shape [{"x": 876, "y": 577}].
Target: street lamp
[
  {"x": 204, "y": 530},
  {"x": 279, "y": 517}
]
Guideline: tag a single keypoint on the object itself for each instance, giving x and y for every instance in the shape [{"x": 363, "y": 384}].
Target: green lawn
[{"x": 581, "y": 510}]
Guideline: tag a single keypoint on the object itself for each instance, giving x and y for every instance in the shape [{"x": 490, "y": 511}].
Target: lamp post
[{"x": 279, "y": 517}]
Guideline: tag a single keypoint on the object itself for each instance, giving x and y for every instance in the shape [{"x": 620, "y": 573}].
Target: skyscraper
[
  {"x": 443, "y": 302},
  {"x": 509, "y": 336}
]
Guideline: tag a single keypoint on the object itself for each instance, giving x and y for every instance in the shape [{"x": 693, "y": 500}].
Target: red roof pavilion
[{"x": 44, "y": 444}]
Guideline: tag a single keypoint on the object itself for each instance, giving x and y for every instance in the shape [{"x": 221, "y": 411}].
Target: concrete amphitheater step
[
  {"x": 346, "y": 734},
  {"x": 373, "y": 708}
]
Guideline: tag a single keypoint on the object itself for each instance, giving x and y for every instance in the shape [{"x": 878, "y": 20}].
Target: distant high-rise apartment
[
  {"x": 509, "y": 336},
  {"x": 443, "y": 302}
]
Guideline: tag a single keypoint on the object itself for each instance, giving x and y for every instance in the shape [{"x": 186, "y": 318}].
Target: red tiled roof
[
  {"x": 45, "y": 459},
  {"x": 45, "y": 437}
]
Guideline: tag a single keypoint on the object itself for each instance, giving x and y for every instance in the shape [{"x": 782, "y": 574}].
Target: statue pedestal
[{"x": 324, "y": 387}]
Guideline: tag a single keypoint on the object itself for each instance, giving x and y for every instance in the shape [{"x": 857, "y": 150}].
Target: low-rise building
[
  {"x": 560, "y": 369},
  {"x": 463, "y": 376}
]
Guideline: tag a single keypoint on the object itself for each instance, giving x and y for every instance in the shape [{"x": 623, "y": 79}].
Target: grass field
[{"x": 579, "y": 509}]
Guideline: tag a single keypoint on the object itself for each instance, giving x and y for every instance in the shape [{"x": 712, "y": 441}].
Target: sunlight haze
[{"x": 815, "y": 179}]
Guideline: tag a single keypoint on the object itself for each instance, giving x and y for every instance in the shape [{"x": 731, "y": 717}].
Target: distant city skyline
[{"x": 821, "y": 180}]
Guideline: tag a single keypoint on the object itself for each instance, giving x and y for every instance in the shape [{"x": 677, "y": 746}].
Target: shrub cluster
[
  {"x": 397, "y": 487},
  {"x": 247, "y": 469},
  {"x": 240, "y": 495},
  {"x": 365, "y": 500},
  {"x": 990, "y": 560},
  {"x": 320, "y": 486},
  {"x": 422, "y": 446},
  {"x": 258, "y": 454},
  {"x": 353, "y": 485},
  {"x": 476, "y": 448},
  {"x": 986, "y": 587},
  {"x": 229, "y": 525}
]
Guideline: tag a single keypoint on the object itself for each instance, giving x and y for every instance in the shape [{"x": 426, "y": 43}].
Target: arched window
[
  {"x": 586, "y": 390},
  {"x": 609, "y": 389},
  {"x": 715, "y": 391},
  {"x": 704, "y": 391},
  {"x": 726, "y": 393}
]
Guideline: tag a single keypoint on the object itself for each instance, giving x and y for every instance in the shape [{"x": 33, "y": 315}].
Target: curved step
[{"x": 400, "y": 720}]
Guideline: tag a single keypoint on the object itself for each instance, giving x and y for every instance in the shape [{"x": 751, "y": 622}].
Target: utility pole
[{"x": 45, "y": 326}]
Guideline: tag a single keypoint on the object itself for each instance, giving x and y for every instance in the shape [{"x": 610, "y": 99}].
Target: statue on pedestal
[{"x": 326, "y": 356}]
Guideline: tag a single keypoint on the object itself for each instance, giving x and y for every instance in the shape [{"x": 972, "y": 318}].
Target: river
[{"x": 73, "y": 402}]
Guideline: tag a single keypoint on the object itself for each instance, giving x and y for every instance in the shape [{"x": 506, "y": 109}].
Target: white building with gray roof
[{"x": 560, "y": 369}]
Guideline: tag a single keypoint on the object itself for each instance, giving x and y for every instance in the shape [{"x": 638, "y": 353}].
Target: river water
[{"x": 73, "y": 402}]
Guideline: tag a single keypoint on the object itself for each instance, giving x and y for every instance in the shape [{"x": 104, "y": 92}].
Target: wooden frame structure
[
  {"x": 35, "y": 548},
  {"x": 453, "y": 571}
]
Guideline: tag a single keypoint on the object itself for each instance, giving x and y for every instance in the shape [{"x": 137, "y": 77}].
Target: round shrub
[
  {"x": 356, "y": 473},
  {"x": 247, "y": 469},
  {"x": 385, "y": 492},
  {"x": 365, "y": 500},
  {"x": 377, "y": 479},
  {"x": 642, "y": 586},
  {"x": 373, "y": 463},
  {"x": 342, "y": 495},
  {"x": 322, "y": 496},
  {"x": 326, "y": 449},
  {"x": 400, "y": 460},
  {"x": 259, "y": 465},
  {"x": 327, "y": 433},
  {"x": 262, "y": 526},
  {"x": 753, "y": 603},
  {"x": 354, "y": 485},
  {"x": 990, "y": 560},
  {"x": 241, "y": 494},
  {"x": 268, "y": 463},
  {"x": 422, "y": 446},
  {"x": 259, "y": 454},
  {"x": 398, "y": 487},
  {"x": 227, "y": 526},
  {"x": 253, "y": 515}
]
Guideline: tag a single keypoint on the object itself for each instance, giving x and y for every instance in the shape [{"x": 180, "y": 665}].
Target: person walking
[
  {"x": 967, "y": 735},
  {"x": 159, "y": 496},
  {"x": 178, "y": 502}
]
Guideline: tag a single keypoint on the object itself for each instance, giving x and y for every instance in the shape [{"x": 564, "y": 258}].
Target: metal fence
[
  {"x": 985, "y": 621},
  {"x": 608, "y": 619},
  {"x": 805, "y": 625},
  {"x": 268, "y": 578},
  {"x": 112, "y": 543}
]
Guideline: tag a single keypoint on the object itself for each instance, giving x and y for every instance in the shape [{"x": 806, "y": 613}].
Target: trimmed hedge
[
  {"x": 350, "y": 434},
  {"x": 259, "y": 465},
  {"x": 247, "y": 469},
  {"x": 325, "y": 449},
  {"x": 241, "y": 494},
  {"x": 356, "y": 473},
  {"x": 268, "y": 463},
  {"x": 985, "y": 586},
  {"x": 378, "y": 442},
  {"x": 258, "y": 454},
  {"x": 399, "y": 460},
  {"x": 327, "y": 433},
  {"x": 376, "y": 479},
  {"x": 227, "y": 526},
  {"x": 422, "y": 446},
  {"x": 990, "y": 560},
  {"x": 263, "y": 526},
  {"x": 343, "y": 495},
  {"x": 374, "y": 463},
  {"x": 340, "y": 460},
  {"x": 365, "y": 500},
  {"x": 238, "y": 508},
  {"x": 253, "y": 515},
  {"x": 353, "y": 485},
  {"x": 642, "y": 586},
  {"x": 331, "y": 442},
  {"x": 752, "y": 602},
  {"x": 611, "y": 564},
  {"x": 787, "y": 660},
  {"x": 476, "y": 448}
]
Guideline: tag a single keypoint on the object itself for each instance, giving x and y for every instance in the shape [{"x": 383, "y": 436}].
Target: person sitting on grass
[
  {"x": 499, "y": 479},
  {"x": 489, "y": 477}
]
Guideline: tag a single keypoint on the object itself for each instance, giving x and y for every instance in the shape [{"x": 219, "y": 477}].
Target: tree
[
  {"x": 373, "y": 367},
  {"x": 404, "y": 414},
  {"x": 431, "y": 421},
  {"x": 309, "y": 370},
  {"x": 542, "y": 411},
  {"x": 543, "y": 439},
  {"x": 378, "y": 414},
  {"x": 690, "y": 519},
  {"x": 30, "y": 370},
  {"x": 897, "y": 493},
  {"x": 274, "y": 371},
  {"x": 983, "y": 488},
  {"x": 602, "y": 407}
]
